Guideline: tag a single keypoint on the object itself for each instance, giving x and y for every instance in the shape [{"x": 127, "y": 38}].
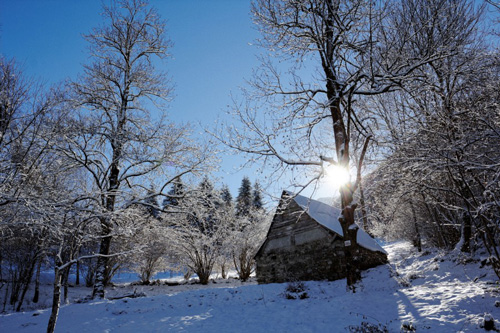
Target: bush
[
  {"x": 296, "y": 290},
  {"x": 366, "y": 327}
]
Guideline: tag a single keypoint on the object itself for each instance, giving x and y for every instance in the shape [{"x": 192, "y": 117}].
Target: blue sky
[
  {"x": 211, "y": 53},
  {"x": 210, "y": 57}
]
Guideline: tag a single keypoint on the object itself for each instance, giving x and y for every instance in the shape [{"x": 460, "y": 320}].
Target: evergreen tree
[
  {"x": 207, "y": 198},
  {"x": 244, "y": 199},
  {"x": 152, "y": 203},
  {"x": 226, "y": 196},
  {"x": 174, "y": 195},
  {"x": 206, "y": 188},
  {"x": 257, "y": 196}
]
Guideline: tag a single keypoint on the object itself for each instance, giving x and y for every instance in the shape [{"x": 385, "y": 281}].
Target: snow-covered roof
[{"x": 328, "y": 217}]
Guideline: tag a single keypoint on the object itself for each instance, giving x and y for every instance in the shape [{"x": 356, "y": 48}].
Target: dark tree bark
[
  {"x": 417, "y": 240},
  {"x": 26, "y": 284},
  {"x": 56, "y": 300},
  {"x": 102, "y": 263},
  {"x": 77, "y": 282},
  {"x": 466, "y": 233},
  {"x": 37, "y": 282}
]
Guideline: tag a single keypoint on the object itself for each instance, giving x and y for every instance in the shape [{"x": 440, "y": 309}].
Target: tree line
[{"x": 199, "y": 229}]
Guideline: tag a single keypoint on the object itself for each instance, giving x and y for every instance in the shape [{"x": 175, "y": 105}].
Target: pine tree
[
  {"x": 206, "y": 188},
  {"x": 174, "y": 195},
  {"x": 244, "y": 199},
  {"x": 226, "y": 196},
  {"x": 257, "y": 196},
  {"x": 210, "y": 200},
  {"x": 152, "y": 203}
]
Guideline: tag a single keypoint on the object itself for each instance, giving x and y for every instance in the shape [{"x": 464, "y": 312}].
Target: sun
[{"x": 337, "y": 176}]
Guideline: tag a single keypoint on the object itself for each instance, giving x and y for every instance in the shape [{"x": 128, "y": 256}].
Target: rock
[{"x": 488, "y": 322}]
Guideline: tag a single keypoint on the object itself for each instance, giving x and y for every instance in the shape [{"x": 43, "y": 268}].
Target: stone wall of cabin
[{"x": 298, "y": 248}]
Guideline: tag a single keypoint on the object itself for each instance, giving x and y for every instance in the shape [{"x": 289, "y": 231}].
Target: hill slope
[{"x": 430, "y": 292}]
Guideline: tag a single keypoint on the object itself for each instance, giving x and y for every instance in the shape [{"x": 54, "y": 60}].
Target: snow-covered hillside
[{"x": 423, "y": 292}]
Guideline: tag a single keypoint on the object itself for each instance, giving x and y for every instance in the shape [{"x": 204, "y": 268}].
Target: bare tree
[
  {"x": 36, "y": 185},
  {"x": 199, "y": 227},
  {"x": 245, "y": 239},
  {"x": 337, "y": 52},
  {"x": 115, "y": 137},
  {"x": 153, "y": 243},
  {"x": 28, "y": 113},
  {"x": 422, "y": 127}
]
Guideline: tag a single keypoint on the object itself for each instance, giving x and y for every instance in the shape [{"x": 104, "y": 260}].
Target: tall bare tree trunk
[
  {"x": 5, "y": 297},
  {"x": 37, "y": 282},
  {"x": 26, "y": 285},
  {"x": 65, "y": 282},
  {"x": 77, "y": 282},
  {"x": 102, "y": 263},
  {"x": 417, "y": 240},
  {"x": 341, "y": 136},
  {"x": 350, "y": 231},
  {"x": 56, "y": 301},
  {"x": 364, "y": 215}
]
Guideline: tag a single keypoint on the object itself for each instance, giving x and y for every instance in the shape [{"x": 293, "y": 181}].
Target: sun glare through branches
[{"x": 336, "y": 176}]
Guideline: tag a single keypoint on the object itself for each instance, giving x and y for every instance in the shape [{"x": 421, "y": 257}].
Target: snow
[
  {"x": 324, "y": 214},
  {"x": 353, "y": 227},
  {"x": 327, "y": 216},
  {"x": 368, "y": 242},
  {"x": 430, "y": 292}
]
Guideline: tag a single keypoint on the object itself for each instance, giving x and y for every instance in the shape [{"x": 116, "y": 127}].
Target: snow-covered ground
[{"x": 433, "y": 292}]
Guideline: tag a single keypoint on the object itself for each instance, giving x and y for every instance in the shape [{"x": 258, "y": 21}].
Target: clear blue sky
[{"x": 211, "y": 53}]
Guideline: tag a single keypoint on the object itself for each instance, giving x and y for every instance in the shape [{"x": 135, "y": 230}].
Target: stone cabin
[{"x": 305, "y": 242}]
